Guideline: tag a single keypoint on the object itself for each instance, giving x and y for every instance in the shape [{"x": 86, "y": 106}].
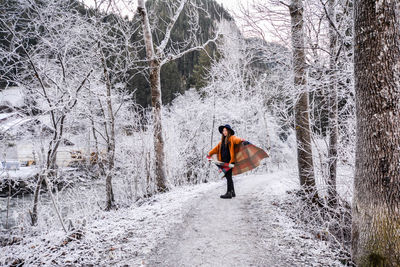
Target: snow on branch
[
  {"x": 160, "y": 49},
  {"x": 171, "y": 57}
]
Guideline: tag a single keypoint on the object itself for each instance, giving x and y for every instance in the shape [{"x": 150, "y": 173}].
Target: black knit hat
[{"x": 227, "y": 126}]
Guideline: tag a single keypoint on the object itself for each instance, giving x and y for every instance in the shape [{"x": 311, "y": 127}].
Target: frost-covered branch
[
  {"x": 171, "y": 57},
  {"x": 160, "y": 49}
]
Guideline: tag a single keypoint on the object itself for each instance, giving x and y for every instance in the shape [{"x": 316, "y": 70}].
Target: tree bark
[
  {"x": 34, "y": 213},
  {"x": 302, "y": 125},
  {"x": 110, "y": 133},
  {"x": 155, "y": 85},
  {"x": 110, "y": 148},
  {"x": 333, "y": 108},
  {"x": 376, "y": 200},
  {"x": 158, "y": 137}
]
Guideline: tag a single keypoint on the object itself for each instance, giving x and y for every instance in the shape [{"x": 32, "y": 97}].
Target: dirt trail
[{"x": 217, "y": 232}]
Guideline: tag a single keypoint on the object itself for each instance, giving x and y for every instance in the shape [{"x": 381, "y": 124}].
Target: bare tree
[
  {"x": 376, "y": 201},
  {"x": 302, "y": 125},
  {"x": 117, "y": 56},
  {"x": 157, "y": 58},
  {"x": 332, "y": 105}
]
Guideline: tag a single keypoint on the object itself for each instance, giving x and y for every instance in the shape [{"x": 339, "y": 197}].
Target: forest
[{"x": 110, "y": 110}]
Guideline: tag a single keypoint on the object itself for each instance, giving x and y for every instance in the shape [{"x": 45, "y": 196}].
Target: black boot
[
  {"x": 227, "y": 195},
  {"x": 233, "y": 193}
]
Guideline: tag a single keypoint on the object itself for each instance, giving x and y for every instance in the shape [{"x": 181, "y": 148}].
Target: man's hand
[{"x": 208, "y": 157}]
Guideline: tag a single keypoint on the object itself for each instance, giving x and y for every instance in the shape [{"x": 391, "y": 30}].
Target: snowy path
[
  {"x": 249, "y": 230},
  {"x": 219, "y": 232}
]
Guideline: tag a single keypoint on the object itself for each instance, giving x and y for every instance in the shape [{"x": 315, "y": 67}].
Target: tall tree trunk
[
  {"x": 110, "y": 149},
  {"x": 376, "y": 200},
  {"x": 155, "y": 85},
  {"x": 110, "y": 134},
  {"x": 158, "y": 137},
  {"x": 333, "y": 108},
  {"x": 302, "y": 125}
]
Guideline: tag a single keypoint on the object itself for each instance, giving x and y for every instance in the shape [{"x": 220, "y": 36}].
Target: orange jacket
[{"x": 234, "y": 140}]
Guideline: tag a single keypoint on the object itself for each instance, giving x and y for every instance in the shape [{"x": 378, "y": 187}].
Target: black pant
[{"x": 229, "y": 180}]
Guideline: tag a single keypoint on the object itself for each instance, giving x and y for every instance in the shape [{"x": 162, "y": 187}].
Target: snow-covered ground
[{"x": 188, "y": 226}]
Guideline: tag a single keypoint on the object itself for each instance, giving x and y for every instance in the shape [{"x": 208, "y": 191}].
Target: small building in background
[{"x": 25, "y": 137}]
